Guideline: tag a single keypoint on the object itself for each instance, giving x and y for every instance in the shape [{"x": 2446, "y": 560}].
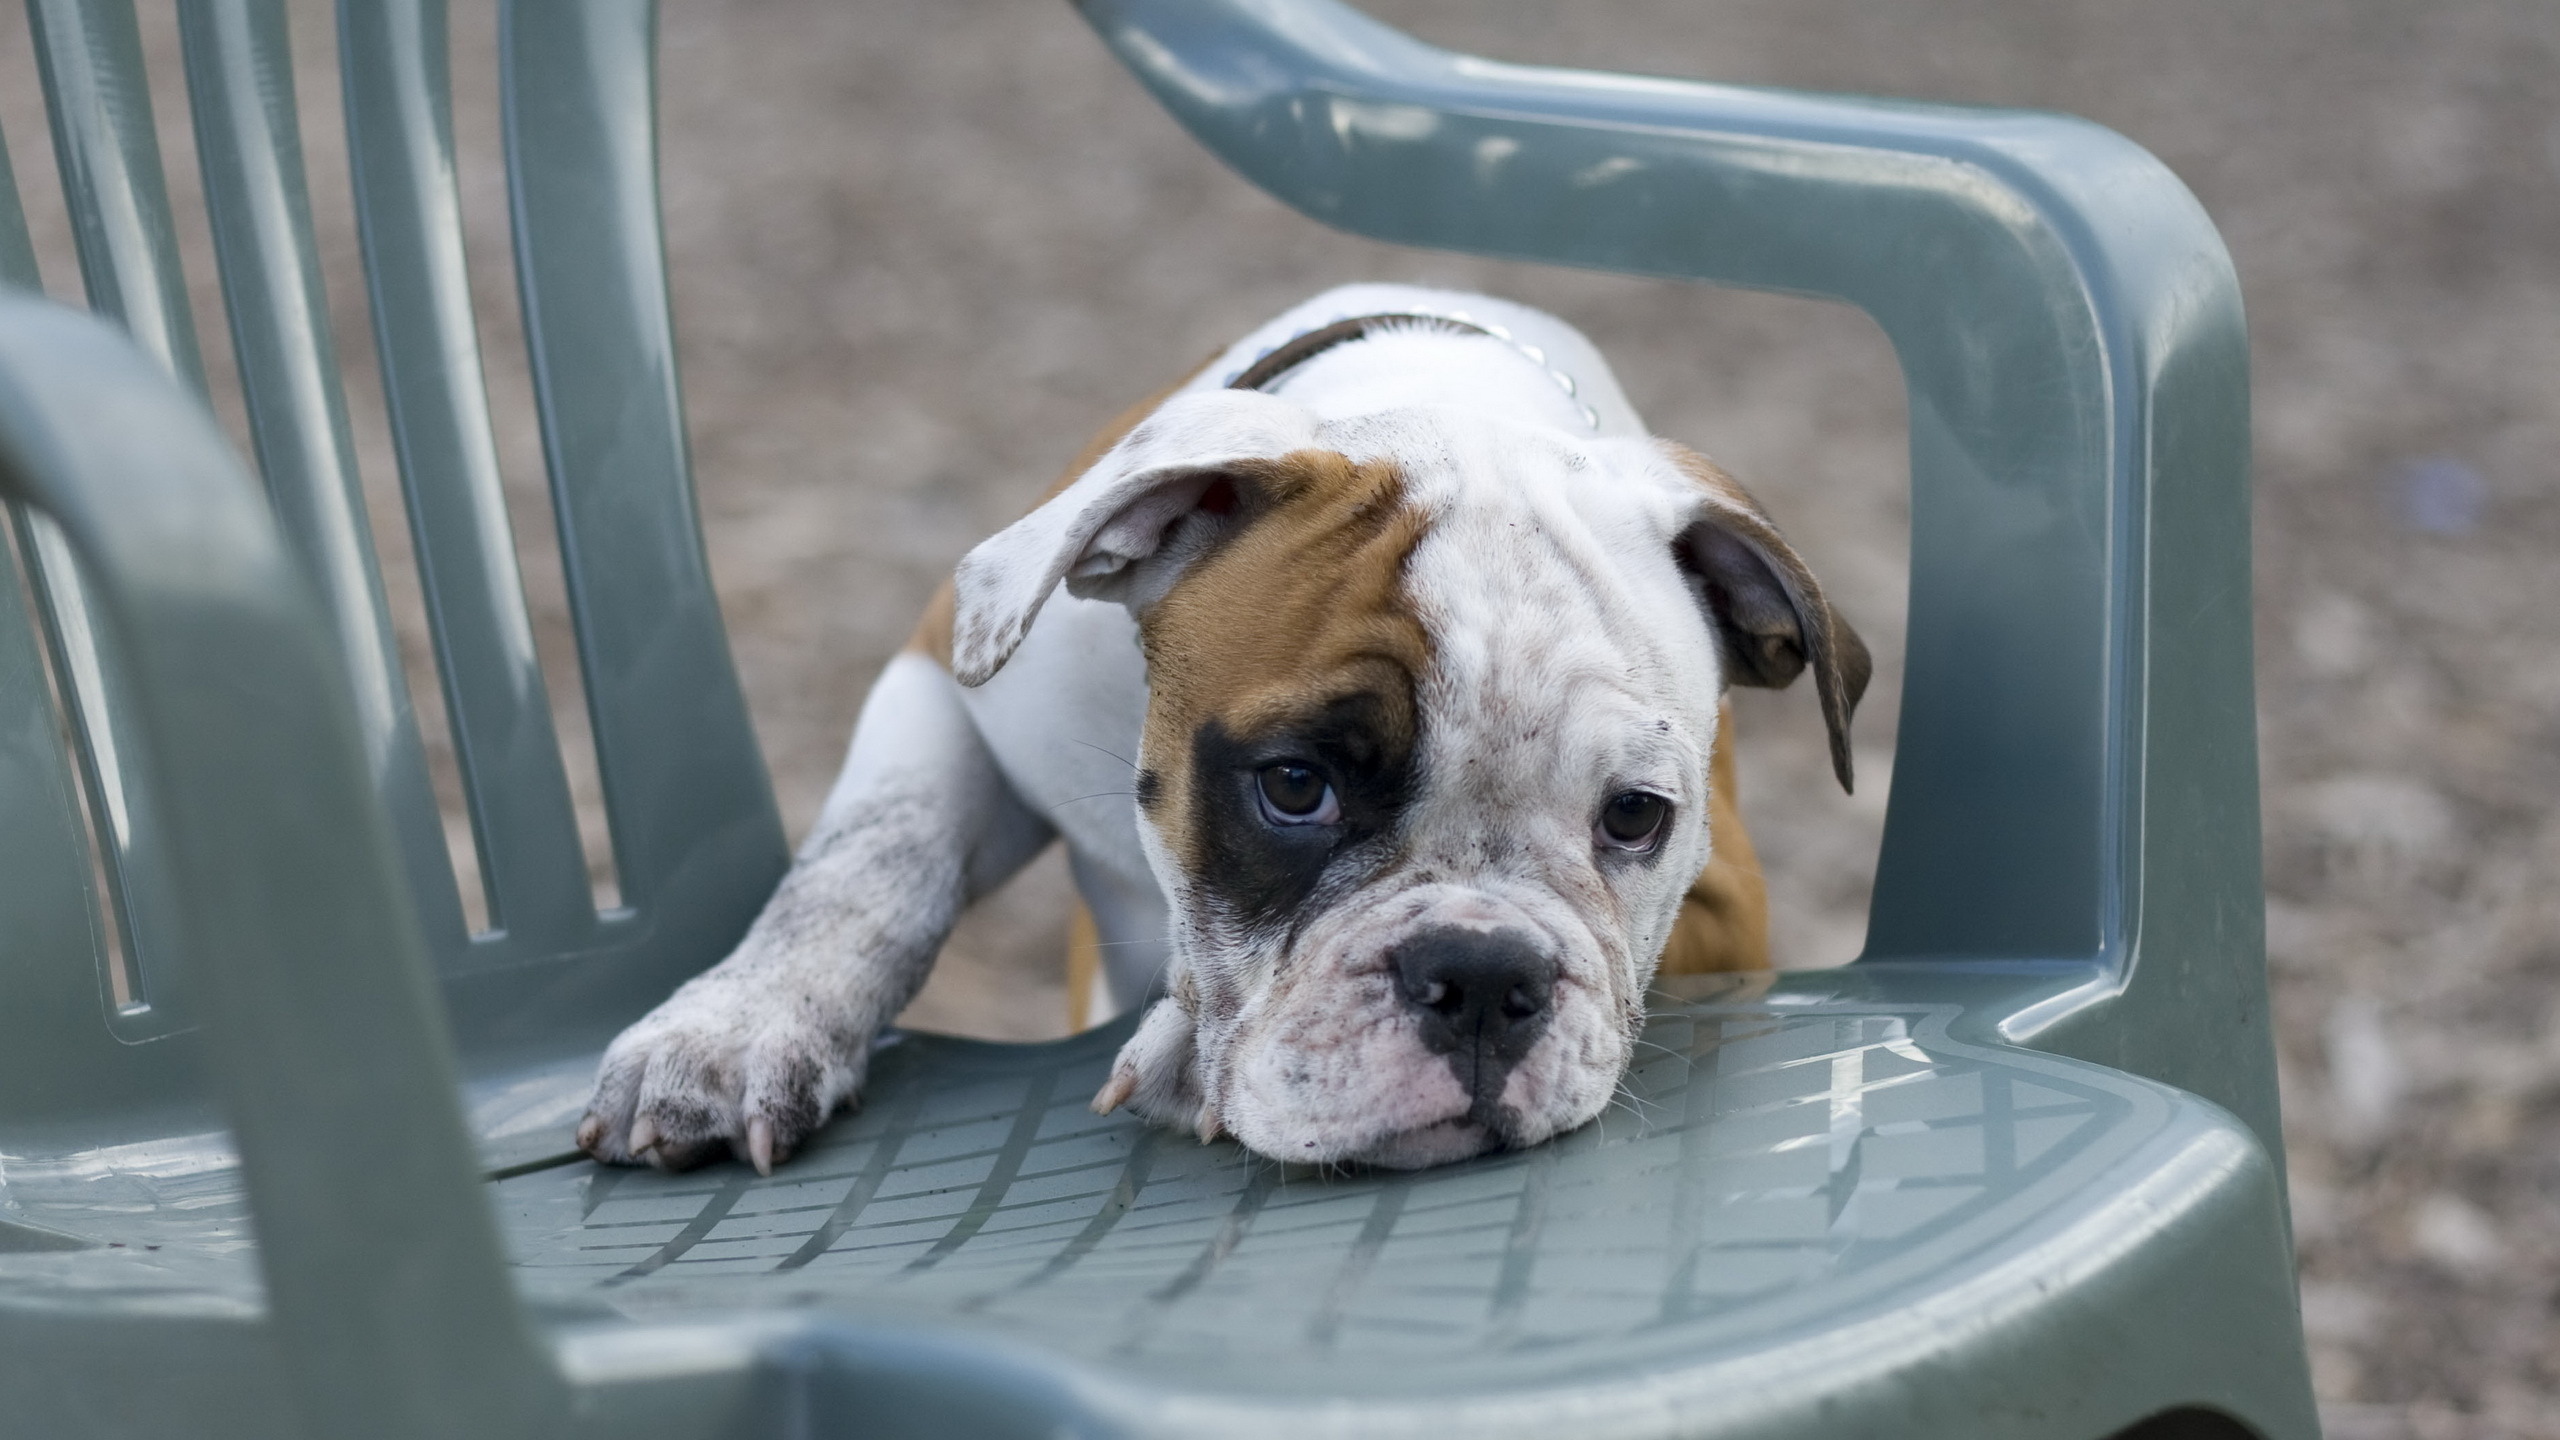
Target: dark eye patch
[{"x": 1264, "y": 873}]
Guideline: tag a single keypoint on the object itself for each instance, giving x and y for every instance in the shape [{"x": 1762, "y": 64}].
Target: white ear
[{"x": 1095, "y": 533}]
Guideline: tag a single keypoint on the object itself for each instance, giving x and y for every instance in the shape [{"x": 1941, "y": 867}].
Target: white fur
[{"x": 1569, "y": 661}]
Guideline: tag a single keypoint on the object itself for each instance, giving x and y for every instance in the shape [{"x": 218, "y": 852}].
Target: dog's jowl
[{"x": 1415, "y": 642}]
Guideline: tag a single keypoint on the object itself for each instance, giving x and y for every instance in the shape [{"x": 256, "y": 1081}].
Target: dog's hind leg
[{"x": 752, "y": 1055}]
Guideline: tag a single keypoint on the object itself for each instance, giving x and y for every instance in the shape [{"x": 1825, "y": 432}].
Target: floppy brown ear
[{"x": 1767, "y": 611}]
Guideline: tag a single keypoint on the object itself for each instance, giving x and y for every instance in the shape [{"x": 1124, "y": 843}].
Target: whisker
[
  {"x": 1097, "y": 795},
  {"x": 1626, "y": 1094},
  {"x": 1639, "y": 1103},
  {"x": 1114, "y": 754},
  {"x": 1643, "y": 1110}
]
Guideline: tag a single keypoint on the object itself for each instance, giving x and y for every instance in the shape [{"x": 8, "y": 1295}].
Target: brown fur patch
[
  {"x": 1301, "y": 606},
  {"x": 1724, "y": 919},
  {"x": 933, "y": 629}
]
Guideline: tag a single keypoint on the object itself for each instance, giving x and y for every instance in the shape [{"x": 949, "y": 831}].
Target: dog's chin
[{"x": 1456, "y": 1138}]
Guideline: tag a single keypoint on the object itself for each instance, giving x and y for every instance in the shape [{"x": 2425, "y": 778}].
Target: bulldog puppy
[{"x": 1373, "y": 679}]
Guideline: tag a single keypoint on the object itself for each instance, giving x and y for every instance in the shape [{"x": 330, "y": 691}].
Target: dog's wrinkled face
[{"x": 1424, "y": 774}]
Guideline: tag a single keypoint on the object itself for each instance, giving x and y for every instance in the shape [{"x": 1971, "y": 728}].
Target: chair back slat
[
  {"x": 98, "y": 96},
  {"x": 144, "y": 984},
  {"x": 54, "y": 1056},
  {"x": 240, "y": 80},
  {"x": 400, "y": 137},
  {"x": 694, "y": 824},
  {"x": 17, "y": 250}
]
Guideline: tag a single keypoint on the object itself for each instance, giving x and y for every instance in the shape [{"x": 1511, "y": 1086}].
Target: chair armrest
[
  {"x": 2076, "y": 773},
  {"x": 386, "y": 1286}
]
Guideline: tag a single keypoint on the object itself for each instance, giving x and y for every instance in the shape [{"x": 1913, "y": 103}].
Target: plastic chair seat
[{"x": 1793, "y": 1186}]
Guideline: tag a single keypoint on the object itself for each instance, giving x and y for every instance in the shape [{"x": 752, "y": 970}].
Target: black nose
[{"x": 1482, "y": 999}]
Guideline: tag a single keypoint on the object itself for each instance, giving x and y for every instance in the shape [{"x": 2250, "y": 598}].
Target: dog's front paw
[{"x": 718, "y": 1069}]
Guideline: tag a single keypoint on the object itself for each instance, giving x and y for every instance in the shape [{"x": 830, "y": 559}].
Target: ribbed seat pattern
[
  {"x": 1757, "y": 1163},
  {"x": 1763, "y": 1164}
]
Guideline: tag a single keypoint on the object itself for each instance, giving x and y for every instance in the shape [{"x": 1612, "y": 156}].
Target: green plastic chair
[{"x": 300, "y": 1164}]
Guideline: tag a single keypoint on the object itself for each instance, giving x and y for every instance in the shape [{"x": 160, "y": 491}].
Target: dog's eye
[
  {"x": 1632, "y": 820},
  {"x": 1295, "y": 794}
]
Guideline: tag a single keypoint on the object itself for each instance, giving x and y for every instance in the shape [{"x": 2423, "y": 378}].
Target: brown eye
[
  {"x": 1632, "y": 820},
  {"x": 1296, "y": 794}
]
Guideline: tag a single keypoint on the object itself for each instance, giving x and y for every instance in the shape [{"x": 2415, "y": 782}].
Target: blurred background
[{"x": 921, "y": 249}]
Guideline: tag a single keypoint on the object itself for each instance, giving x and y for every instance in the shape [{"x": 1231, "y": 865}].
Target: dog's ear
[
  {"x": 1125, "y": 528},
  {"x": 1767, "y": 611}
]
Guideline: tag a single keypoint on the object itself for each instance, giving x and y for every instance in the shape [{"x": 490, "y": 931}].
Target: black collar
[{"x": 1278, "y": 362}]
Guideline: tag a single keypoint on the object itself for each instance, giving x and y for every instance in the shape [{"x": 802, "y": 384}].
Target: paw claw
[
  {"x": 760, "y": 1144},
  {"x": 1115, "y": 1092},
  {"x": 644, "y": 1135},
  {"x": 591, "y": 1132}
]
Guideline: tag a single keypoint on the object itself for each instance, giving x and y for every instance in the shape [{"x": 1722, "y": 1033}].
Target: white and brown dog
[{"x": 1418, "y": 640}]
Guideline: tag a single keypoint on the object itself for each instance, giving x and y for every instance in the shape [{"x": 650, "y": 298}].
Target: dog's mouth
[
  {"x": 1456, "y": 1138},
  {"x": 1485, "y": 1127}
]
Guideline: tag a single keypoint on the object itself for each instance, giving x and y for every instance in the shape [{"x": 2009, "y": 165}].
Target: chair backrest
[{"x": 697, "y": 842}]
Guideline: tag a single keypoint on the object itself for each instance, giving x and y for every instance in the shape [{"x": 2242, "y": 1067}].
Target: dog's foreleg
[{"x": 752, "y": 1055}]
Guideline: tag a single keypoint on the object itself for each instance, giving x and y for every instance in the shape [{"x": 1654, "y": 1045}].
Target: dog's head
[{"x": 1424, "y": 774}]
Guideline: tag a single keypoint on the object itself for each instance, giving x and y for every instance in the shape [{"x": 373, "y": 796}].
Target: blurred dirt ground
[{"x": 921, "y": 249}]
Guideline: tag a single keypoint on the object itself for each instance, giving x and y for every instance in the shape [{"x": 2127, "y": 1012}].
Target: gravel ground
[{"x": 921, "y": 249}]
